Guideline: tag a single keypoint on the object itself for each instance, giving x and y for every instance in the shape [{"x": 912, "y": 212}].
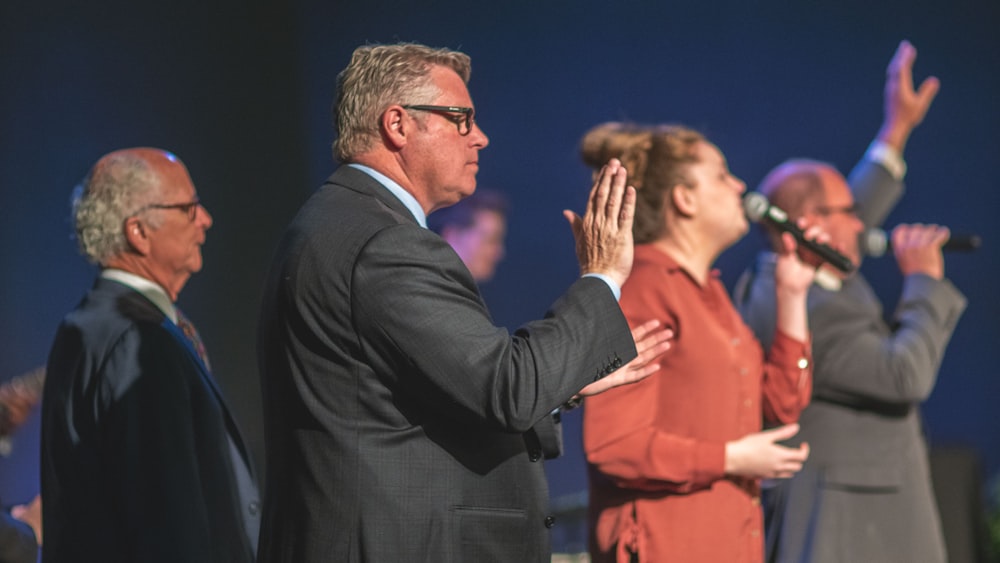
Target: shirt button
[
  {"x": 534, "y": 455},
  {"x": 755, "y": 501},
  {"x": 803, "y": 363},
  {"x": 550, "y": 521},
  {"x": 755, "y": 533},
  {"x": 748, "y": 403},
  {"x": 744, "y": 371},
  {"x": 253, "y": 507},
  {"x": 735, "y": 341}
]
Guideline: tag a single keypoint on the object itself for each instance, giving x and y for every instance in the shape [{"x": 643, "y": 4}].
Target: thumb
[
  {"x": 782, "y": 432},
  {"x": 928, "y": 90},
  {"x": 575, "y": 221}
]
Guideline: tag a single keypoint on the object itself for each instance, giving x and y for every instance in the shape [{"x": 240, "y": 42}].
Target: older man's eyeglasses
[
  {"x": 189, "y": 208},
  {"x": 851, "y": 209},
  {"x": 462, "y": 117}
]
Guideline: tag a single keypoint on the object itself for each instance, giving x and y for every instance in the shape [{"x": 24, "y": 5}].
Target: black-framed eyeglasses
[
  {"x": 851, "y": 209},
  {"x": 466, "y": 118},
  {"x": 189, "y": 208}
]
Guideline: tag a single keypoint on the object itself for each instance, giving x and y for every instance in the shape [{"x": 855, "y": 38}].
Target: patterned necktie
[{"x": 192, "y": 335}]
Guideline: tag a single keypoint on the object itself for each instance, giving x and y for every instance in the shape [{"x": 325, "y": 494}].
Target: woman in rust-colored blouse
[{"x": 675, "y": 461}]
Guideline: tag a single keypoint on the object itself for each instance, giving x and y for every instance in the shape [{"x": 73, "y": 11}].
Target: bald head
[
  {"x": 796, "y": 186},
  {"x": 817, "y": 191}
]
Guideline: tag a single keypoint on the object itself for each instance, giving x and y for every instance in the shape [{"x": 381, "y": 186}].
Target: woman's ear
[{"x": 684, "y": 200}]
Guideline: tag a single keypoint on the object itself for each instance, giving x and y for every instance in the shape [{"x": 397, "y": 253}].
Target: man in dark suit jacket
[
  {"x": 865, "y": 493},
  {"x": 141, "y": 459},
  {"x": 398, "y": 417}
]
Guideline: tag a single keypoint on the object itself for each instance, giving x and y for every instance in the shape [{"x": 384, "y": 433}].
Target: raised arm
[{"x": 905, "y": 107}]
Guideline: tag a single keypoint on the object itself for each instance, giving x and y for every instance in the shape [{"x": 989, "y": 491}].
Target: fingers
[
  {"x": 614, "y": 207},
  {"x": 901, "y": 70},
  {"x": 782, "y": 432},
  {"x": 575, "y": 221},
  {"x": 640, "y": 332},
  {"x": 627, "y": 215},
  {"x": 815, "y": 233},
  {"x": 601, "y": 192},
  {"x": 928, "y": 90},
  {"x": 919, "y": 236},
  {"x": 791, "y": 461},
  {"x": 646, "y": 336},
  {"x": 649, "y": 344},
  {"x": 901, "y": 66}
]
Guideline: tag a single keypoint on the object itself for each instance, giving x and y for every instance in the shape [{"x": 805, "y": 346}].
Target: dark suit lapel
[
  {"x": 206, "y": 376},
  {"x": 134, "y": 305}
]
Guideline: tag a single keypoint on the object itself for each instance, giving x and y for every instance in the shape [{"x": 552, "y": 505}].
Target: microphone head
[
  {"x": 755, "y": 206},
  {"x": 874, "y": 242}
]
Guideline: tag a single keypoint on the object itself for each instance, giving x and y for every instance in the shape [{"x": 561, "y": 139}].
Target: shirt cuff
[
  {"x": 787, "y": 351},
  {"x": 888, "y": 157},
  {"x": 617, "y": 291}
]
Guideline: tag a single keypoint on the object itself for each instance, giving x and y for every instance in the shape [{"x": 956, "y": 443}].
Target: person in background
[
  {"x": 21, "y": 529},
  {"x": 675, "y": 461},
  {"x": 21, "y": 532},
  {"x": 865, "y": 494},
  {"x": 475, "y": 228},
  {"x": 141, "y": 459}
]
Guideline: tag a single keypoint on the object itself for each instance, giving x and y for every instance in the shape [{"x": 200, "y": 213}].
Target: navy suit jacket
[
  {"x": 137, "y": 461},
  {"x": 398, "y": 417}
]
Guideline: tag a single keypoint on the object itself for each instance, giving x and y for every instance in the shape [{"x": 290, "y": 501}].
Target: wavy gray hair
[
  {"x": 116, "y": 188},
  {"x": 379, "y": 76}
]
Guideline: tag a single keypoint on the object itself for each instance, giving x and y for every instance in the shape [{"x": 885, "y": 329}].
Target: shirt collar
[
  {"x": 149, "y": 289},
  {"x": 402, "y": 195}
]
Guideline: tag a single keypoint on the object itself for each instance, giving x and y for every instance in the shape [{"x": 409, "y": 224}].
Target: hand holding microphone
[
  {"x": 758, "y": 209},
  {"x": 875, "y": 243}
]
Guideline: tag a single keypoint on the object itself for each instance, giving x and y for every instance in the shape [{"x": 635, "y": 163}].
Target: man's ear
[
  {"x": 137, "y": 235},
  {"x": 396, "y": 125},
  {"x": 684, "y": 200}
]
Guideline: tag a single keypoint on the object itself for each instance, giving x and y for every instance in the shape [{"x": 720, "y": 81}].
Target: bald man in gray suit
[{"x": 865, "y": 493}]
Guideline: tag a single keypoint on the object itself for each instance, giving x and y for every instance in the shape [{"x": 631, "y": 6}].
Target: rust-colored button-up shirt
[{"x": 656, "y": 449}]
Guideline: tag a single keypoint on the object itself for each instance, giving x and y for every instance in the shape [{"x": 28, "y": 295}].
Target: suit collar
[
  {"x": 356, "y": 180},
  {"x": 401, "y": 194},
  {"x": 149, "y": 289}
]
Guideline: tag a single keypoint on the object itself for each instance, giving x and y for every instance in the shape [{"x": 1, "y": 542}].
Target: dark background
[{"x": 241, "y": 92}]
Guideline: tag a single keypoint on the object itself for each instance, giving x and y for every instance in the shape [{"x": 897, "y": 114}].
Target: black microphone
[
  {"x": 875, "y": 242},
  {"x": 758, "y": 209}
]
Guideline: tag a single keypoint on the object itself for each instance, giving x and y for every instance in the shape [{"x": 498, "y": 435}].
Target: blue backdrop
[{"x": 241, "y": 91}]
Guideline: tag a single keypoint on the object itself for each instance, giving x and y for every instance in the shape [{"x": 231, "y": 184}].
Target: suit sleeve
[
  {"x": 875, "y": 191},
  {"x": 420, "y": 316},
  {"x": 861, "y": 358},
  {"x": 153, "y": 453}
]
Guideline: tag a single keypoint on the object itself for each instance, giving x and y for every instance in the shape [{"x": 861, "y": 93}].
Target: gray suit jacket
[
  {"x": 865, "y": 492},
  {"x": 398, "y": 418}
]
